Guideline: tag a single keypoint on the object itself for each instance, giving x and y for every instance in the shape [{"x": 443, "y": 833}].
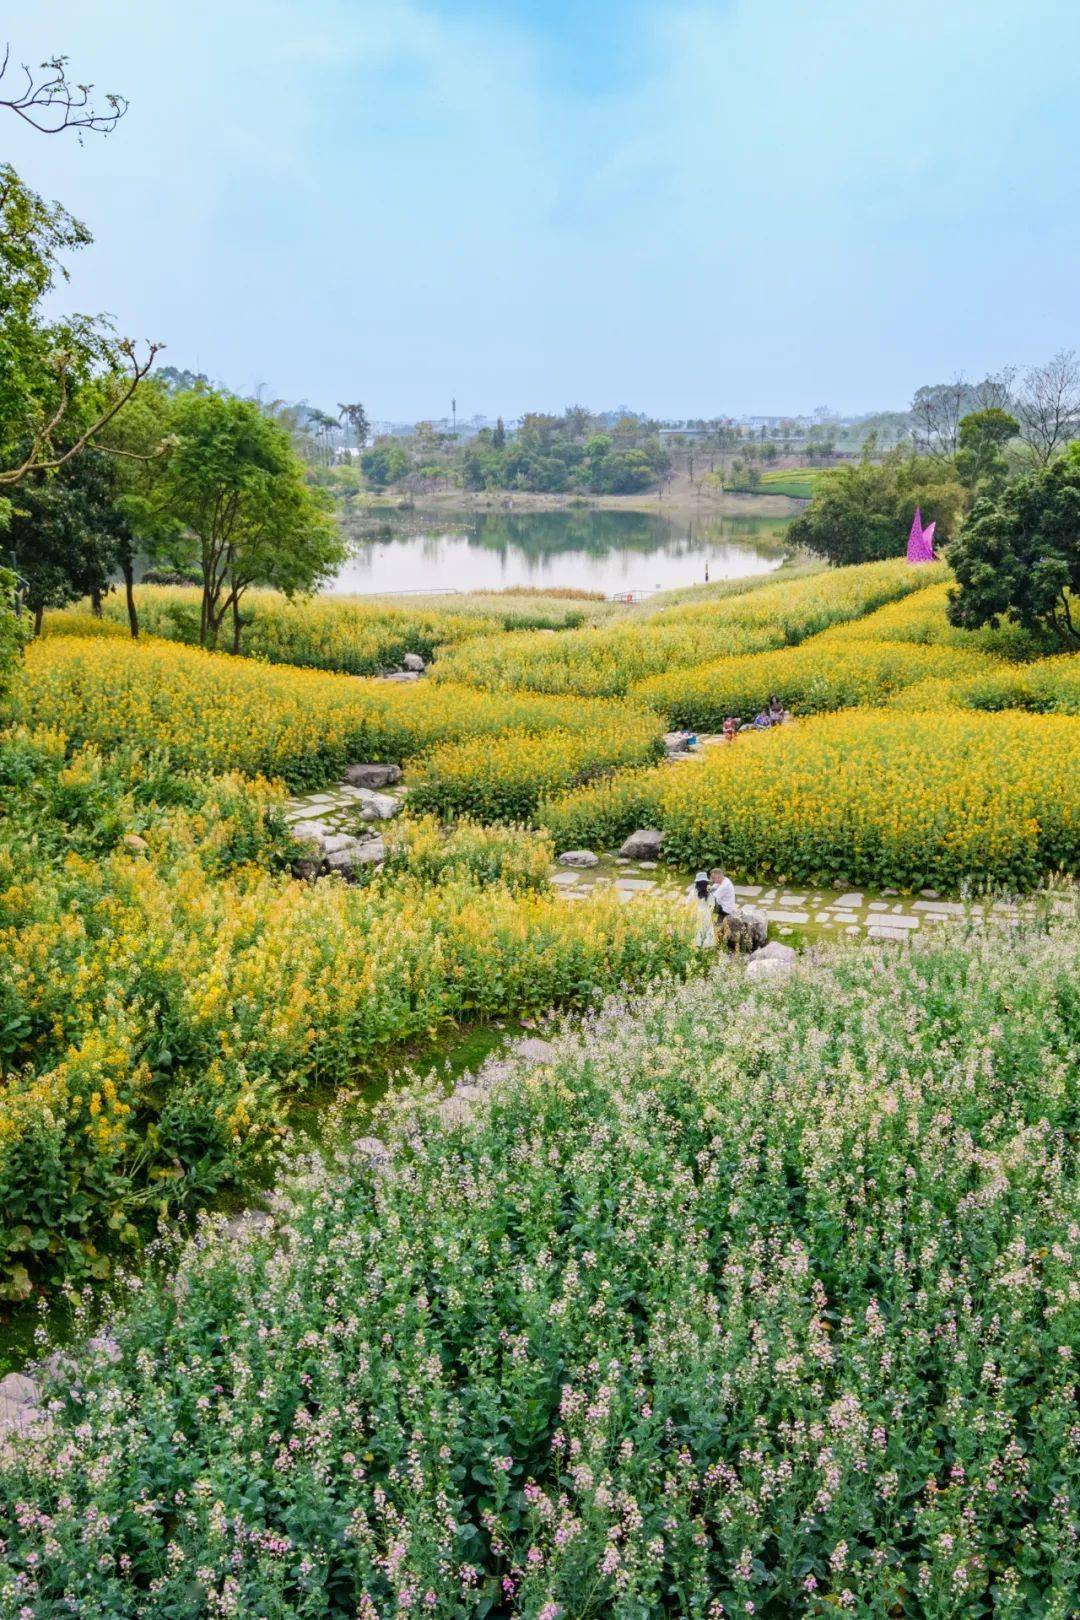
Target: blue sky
[{"x": 694, "y": 209}]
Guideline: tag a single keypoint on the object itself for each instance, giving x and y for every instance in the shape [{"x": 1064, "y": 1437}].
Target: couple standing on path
[{"x": 714, "y": 897}]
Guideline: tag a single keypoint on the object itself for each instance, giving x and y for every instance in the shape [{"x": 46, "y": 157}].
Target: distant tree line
[{"x": 996, "y": 465}]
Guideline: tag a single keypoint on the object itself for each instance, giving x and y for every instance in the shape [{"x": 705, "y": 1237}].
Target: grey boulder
[
  {"x": 372, "y": 776},
  {"x": 643, "y": 845},
  {"x": 353, "y": 852},
  {"x": 579, "y": 857},
  {"x": 376, "y": 806},
  {"x": 744, "y": 930},
  {"x": 414, "y": 663}
]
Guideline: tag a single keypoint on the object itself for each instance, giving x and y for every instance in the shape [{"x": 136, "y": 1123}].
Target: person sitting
[
  {"x": 731, "y": 728},
  {"x": 722, "y": 893},
  {"x": 700, "y": 894},
  {"x": 776, "y": 712}
]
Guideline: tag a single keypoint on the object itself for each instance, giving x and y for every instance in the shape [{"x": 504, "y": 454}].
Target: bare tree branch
[
  {"x": 50, "y": 102},
  {"x": 41, "y": 456},
  {"x": 1048, "y": 407}
]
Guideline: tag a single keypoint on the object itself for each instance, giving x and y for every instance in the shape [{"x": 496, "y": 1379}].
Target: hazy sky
[{"x": 735, "y": 206}]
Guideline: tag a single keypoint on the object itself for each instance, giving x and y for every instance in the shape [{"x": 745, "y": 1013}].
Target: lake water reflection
[{"x": 594, "y": 550}]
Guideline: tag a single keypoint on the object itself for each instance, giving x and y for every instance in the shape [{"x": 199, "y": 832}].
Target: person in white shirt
[{"x": 722, "y": 892}]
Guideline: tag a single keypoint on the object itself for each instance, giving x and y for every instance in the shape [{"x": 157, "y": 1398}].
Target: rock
[
  {"x": 579, "y": 857},
  {"x": 768, "y": 967},
  {"x": 371, "y": 1149},
  {"x": 309, "y": 832},
  {"x": 19, "y": 1403},
  {"x": 103, "y": 1344},
  {"x": 891, "y": 894},
  {"x": 643, "y": 845},
  {"x": 414, "y": 663},
  {"x": 249, "y": 1223},
  {"x": 135, "y": 844},
  {"x": 376, "y": 806},
  {"x": 772, "y": 961},
  {"x": 675, "y": 741},
  {"x": 743, "y": 930},
  {"x": 372, "y": 776},
  {"x": 930, "y": 894},
  {"x": 533, "y": 1050},
  {"x": 354, "y": 852},
  {"x": 401, "y": 675}
]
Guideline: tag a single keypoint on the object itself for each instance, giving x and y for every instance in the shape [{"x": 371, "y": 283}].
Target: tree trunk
[
  {"x": 129, "y": 594},
  {"x": 235, "y": 625},
  {"x": 39, "y": 613},
  {"x": 95, "y": 602}
]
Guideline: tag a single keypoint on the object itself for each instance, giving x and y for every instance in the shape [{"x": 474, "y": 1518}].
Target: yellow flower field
[
  {"x": 607, "y": 661},
  {"x": 823, "y": 673},
  {"x": 209, "y": 711},
  {"x": 882, "y": 797}
]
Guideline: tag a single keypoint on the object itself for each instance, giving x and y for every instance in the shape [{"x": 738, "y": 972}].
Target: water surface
[{"x": 586, "y": 549}]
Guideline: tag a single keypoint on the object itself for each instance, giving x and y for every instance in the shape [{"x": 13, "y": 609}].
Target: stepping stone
[
  {"x": 747, "y": 889},
  {"x": 787, "y": 916},
  {"x": 847, "y": 900},
  {"x": 882, "y": 931},
  {"x": 892, "y": 921},
  {"x": 853, "y": 929},
  {"x": 372, "y": 776},
  {"x": 877, "y": 905},
  {"x": 564, "y": 877},
  {"x": 579, "y": 857},
  {"x": 633, "y": 885},
  {"x": 945, "y": 908}
]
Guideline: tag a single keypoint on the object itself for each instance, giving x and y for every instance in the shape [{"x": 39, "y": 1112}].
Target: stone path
[
  {"x": 803, "y": 912},
  {"x": 338, "y": 809}
]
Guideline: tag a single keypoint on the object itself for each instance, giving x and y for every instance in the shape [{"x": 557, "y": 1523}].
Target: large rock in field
[
  {"x": 771, "y": 961},
  {"x": 19, "y": 1404},
  {"x": 643, "y": 845},
  {"x": 376, "y": 806},
  {"x": 351, "y": 853},
  {"x": 372, "y": 776},
  {"x": 579, "y": 857},
  {"x": 414, "y": 663},
  {"x": 743, "y": 930}
]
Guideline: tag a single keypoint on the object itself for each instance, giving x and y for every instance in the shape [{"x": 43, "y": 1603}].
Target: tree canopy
[
  {"x": 1018, "y": 556},
  {"x": 863, "y": 512}
]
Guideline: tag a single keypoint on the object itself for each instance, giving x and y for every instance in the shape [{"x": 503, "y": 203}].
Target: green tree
[
  {"x": 234, "y": 489},
  {"x": 11, "y": 629},
  {"x": 981, "y": 439},
  {"x": 357, "y": 418},
  {"x": 64, "y": 531},
  {"x": 385, "y": 463},
  {"x": 862, "y": 512},
  {"x": 1018, "y": 557}
]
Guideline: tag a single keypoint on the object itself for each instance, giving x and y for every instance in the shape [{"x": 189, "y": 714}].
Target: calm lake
[{"x": 594, "y": 550}]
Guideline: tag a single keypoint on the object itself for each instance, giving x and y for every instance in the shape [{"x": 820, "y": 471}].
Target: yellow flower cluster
[
  {"x": 607, "y": 661},
  {"x": 210, "y": 711},
  {"x": 350, "y": 634},
  {"x": 921, "y": 617},
  {"x": 884, "y": 797},
  {"x": 156, "y": 1015},
  {"x": 826, "y": 672},
  {"x": 504, "y": 778}
]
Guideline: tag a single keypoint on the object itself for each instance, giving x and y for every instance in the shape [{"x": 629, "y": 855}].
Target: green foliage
[
  {"x": 1018, "y": 557},
  {"x": 504, "y": 778},
  {"x": 12, "y": 631},
  {"x": 385, "y": 463},
  {"x": 863, "y": 512},
  {"x": 746, "y": 1298},
  {"x": 602, "y": 814},
  {"x": 66, "y": 531},
  {"x": 982, "y": 437},
  {"x": 420, "y": 847},
  {"x": 233, "y": 486}
]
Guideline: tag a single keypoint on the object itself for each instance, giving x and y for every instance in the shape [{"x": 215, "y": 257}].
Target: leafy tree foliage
[
  {"x": 1018, "y": 556},
  {"x": 863, "y": 512},
  {"x": 11, "y": 629},
  {"x": 981, "y": 439},
  {"x": 234, "y": 493},
  {"x": 64, "y": 531}
]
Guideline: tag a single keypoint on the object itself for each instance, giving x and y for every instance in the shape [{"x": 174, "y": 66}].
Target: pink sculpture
[{"x": 920, "y": 546}]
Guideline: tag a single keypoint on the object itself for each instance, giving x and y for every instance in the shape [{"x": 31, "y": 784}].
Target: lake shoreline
[{"x": 680, "y": 502}]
